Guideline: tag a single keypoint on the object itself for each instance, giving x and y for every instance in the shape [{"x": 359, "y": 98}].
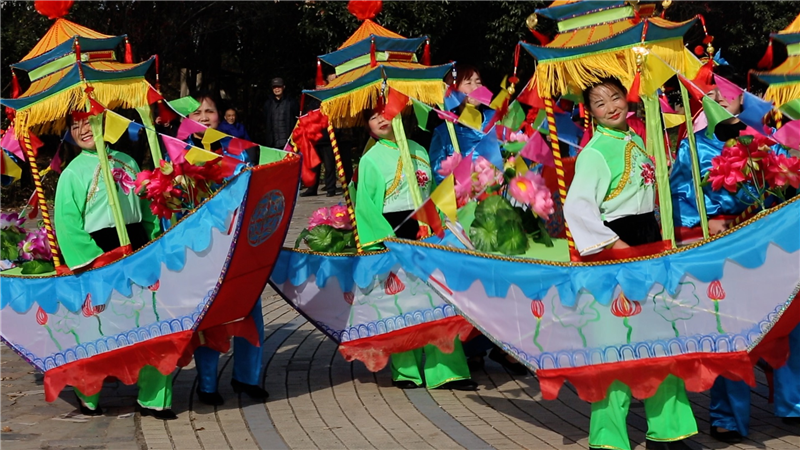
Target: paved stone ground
[{"x": 318, "y": 400}]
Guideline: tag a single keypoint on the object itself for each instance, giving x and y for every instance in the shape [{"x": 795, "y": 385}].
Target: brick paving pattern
[{"x": 318, "y": 400}]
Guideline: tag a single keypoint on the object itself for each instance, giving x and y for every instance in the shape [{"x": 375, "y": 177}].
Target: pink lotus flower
[
  {"x": 782, "y": 170},
  {"x": 339, "y": 218},
  {"x": 123, "y": 179},
  {"x": 531, "y": 190},
  {"x": 484, "y": 175},
  {"x": 518, "y": 137},
  {"x": 11, "y": 221},
  {"x": 724, "y": 173},
  {"x": 322, "y": 216},
  {"x": 522, "y": 190},
  {"x": 449, "y": 164},
  {"x": 35, "y": 246}
]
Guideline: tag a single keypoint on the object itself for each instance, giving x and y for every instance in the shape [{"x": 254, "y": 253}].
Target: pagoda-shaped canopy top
[
  {"x": 596, "y": 39},
  {"x": 60, "y": 76},
  {"x": 370, "y": 57},
  {"x": 784, "y": 80}
]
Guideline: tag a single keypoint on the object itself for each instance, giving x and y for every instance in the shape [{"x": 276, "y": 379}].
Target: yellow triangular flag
[
  {"x": 654, "y": 75},
  {"x": 10, "y": 168},
  {"x": 520, "y": 166},
  {"x": 498, "y": 101},
  {"x": 116, "y": 126},
  {"x": 444, "y": 197},
  {"x": 691, "y": 64},
  {"x": 471, "y": 117},
  {"x": 211, "y": 135},
  {"x": 673, "y": 120},
  {"x": 504, "y": 83},
  {"x": 197, "y": 155}
]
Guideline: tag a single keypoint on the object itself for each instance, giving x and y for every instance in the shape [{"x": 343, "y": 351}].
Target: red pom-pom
[
  {"x": 708, "y": 39},
  {"x": 364, "y": 9},
  {"x": 53, "y": 9},
  {"x": 699, "y": 50}
]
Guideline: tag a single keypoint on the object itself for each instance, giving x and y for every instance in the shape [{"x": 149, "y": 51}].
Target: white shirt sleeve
[{"x": 582, "y": 206}]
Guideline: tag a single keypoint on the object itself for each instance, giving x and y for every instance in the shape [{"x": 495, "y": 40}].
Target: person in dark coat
[
  {"x": 281, "y": 113},
  {"x": 233, "y": 127}
]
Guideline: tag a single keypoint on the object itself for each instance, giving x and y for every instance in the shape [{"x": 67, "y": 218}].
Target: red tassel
[
  {"x": 766, "y": 60},
  {"x": 303, "y": 100},
  {"x": 633, "y": 93},
  {"x": 320, "y": 81},
  {"x": 372, "y": 58},
  {"x": 14, "y": 85},
  {"x": 10, "y": 113},
  {"x": 128, "y": 53},
  {"x": 426, "y": 53},
  {"x": 543, "y": 40}
]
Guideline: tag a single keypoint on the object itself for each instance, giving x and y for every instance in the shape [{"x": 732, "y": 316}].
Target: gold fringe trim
[
  {"x": 782, "y": 94},
  {"x": 346, "y": 110},
  {"x": 573, "y": 75},
  {"x": 50, "y": 115}
]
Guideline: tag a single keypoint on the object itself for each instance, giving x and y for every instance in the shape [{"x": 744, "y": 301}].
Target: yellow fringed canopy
[
  {"x": 50, "y": 114},
  {"x": 572, "y": 76}
]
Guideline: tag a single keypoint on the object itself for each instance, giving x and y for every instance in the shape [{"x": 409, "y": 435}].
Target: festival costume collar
[
  {"x": 616, "y": 134},
  {"x": 389, "y": 143}
]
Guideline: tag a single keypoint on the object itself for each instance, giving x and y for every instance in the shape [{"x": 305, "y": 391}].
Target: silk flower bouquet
[
  {"x": 174, "y": 188},
  {"x": 748, "y": 164},
  {"x": 494, "y": 224}
]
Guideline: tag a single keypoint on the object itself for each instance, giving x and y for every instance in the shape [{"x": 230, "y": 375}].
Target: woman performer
[
  {"x": 467, "y": 80},
  {"x": 247, "y": 358},
  {"x": 82, "y": 218},
  {"x": 610, "y": 205},
  {"x": 383, "y": 203},
  {"x": 730, "y": 400}
]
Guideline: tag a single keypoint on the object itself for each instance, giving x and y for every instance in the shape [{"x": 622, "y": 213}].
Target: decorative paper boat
[
  {"x": 697, "y": 312},
  {"x": 203, "y": 274}
]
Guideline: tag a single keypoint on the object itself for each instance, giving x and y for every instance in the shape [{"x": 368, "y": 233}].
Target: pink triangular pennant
[
  {"x": 463, "y": 170},
  {"x": 446, "y": 115},
  {"x": 189, "y": 127},
  {"x": 11, "y": 143},
  {"x": 176, "y": 149},
  {"x": 728, "y": 90},
  {"x": 536, "y": 149},
  {"x": 789, "y": 135},
  {"x": 665, "y": 106},
  {"x": 482, "y": 95}
]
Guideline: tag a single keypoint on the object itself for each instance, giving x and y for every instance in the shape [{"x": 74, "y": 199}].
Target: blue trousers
[
  {"x": 730, "y": 400},
  {"x": 247, "y": 358}
]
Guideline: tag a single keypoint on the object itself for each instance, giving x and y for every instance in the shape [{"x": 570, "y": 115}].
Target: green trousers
[
  {"x": 668, "y": 412},
  {"x": 155, "y": 390},
  {"x": 439, "y": 367}
]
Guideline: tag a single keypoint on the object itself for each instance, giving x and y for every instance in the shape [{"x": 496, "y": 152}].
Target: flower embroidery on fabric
[
  {"x": 123, "y": 179},
  {"x": 422, "y": 178},
  {"x": 648, "y": 174}
]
